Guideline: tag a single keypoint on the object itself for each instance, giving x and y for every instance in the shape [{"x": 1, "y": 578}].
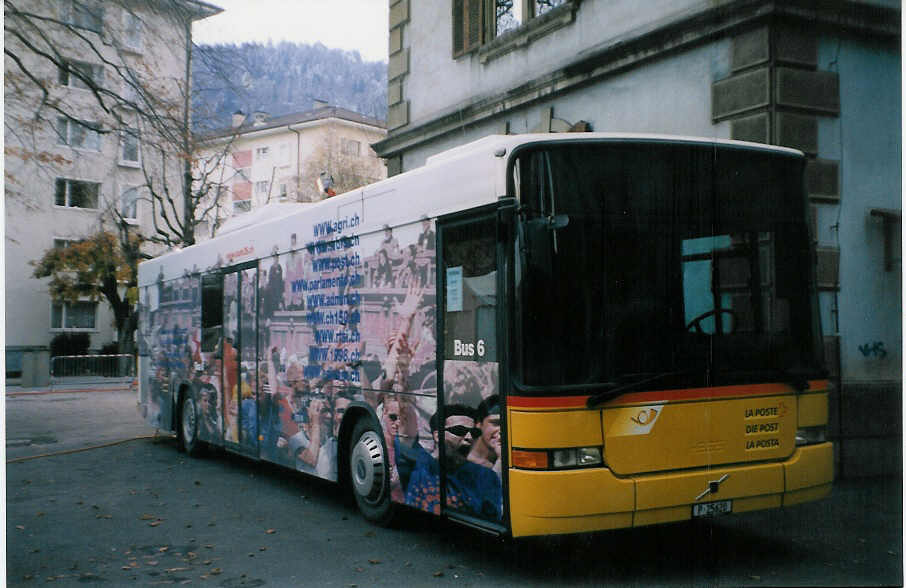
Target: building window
[
  {"x": 476, "y": 22},
  {"x": 63, "y": 243},
  {"x": 542, "y": 6},
  {"x": 240, "y": 206},
  {"x": 132, "y": 31},
  {"x": 261, "y": 188},
  {"x": 131, "y": 92},
  {"x": 78, "y": 134},
  {"x": 129, "y": 204},
  {"x": 262, "y": 152},
  {"x": 76, "y": 194},
  {"x": 350, "y": 147},
  {"x": 508, "y": 16},
  {"x": 85, "y": 14},
  {"x": 130, "y": 154},
  {"x": 81, "y": 75},
  {"x": 73, "y": 316},
  {"x": 283, "y": 192},
  {"x": 14, "y": 363}
]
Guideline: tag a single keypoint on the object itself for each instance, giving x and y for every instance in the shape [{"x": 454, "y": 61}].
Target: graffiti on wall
[{"x": 875, "y": 350}]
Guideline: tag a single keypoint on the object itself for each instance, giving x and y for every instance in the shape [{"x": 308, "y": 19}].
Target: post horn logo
[{"x": 644, "y": 417}]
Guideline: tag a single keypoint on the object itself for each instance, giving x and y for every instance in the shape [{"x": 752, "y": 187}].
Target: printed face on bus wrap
[
  {"x": 392, "y": 416},
  {"x": 339, "y": 410},
  {"x": 458, "y": 438},
  {"x": 490, "y": 432}
]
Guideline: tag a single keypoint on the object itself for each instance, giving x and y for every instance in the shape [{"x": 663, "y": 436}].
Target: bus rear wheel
[
  {"x": 188, "y": 425},
  {"x": 369, "y": 473}
]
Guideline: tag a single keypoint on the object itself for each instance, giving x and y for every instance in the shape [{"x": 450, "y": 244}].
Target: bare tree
[
  {"x": 342, "y": 160},
  {"x": 138, "y": 101},
  {"x": 102, "y": 89}
]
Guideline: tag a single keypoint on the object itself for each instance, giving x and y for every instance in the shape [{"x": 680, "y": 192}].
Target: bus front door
[{"x": 470, "y": 438}]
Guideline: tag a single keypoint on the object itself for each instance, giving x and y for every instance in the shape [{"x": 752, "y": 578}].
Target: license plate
[{"x": 712, "y": 509}]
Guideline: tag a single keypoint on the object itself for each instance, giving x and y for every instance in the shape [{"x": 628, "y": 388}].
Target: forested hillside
[{"x": 282, "y": 78}]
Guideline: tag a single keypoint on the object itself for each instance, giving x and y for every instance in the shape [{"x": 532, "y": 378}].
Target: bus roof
[
  {"x": 457, "y": 179},
  {"x": 494, "y": 143}
]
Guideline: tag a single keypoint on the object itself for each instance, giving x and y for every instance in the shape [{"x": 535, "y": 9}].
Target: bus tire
[
  {"x": 369, "y": 473},
  {"x": 187, "y": 429}
]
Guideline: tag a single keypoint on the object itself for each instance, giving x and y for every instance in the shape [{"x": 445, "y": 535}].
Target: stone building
[
  {"x": 261, "y": 159},
  {"x": 83, "y": 81},
  {"x": 822, "y": 77}
]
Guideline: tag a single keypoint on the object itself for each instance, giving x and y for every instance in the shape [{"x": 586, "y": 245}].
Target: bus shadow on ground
[{"x": 679, "y": 545}]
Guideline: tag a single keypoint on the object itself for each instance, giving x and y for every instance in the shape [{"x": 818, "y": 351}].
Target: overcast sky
[{"x": 339, "y": 24}]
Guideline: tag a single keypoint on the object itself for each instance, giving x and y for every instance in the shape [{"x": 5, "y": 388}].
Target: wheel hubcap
[{"x": 367, "y": 466}]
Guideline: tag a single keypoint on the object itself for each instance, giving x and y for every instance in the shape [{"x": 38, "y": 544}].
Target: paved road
[
  {"x": 46, "y": 420},
  {"x": 139, "y": 514}
]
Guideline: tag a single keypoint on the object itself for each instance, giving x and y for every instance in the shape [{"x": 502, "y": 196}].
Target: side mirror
[
  {"x": 551, "y": 223},
  {"x": 555, "y": 223}
]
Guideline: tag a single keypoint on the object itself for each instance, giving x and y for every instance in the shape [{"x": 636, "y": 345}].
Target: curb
[{"x": 43, "y": 391}]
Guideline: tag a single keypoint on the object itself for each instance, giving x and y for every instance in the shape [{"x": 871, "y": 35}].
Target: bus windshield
[{"x": 687, "y": 264}]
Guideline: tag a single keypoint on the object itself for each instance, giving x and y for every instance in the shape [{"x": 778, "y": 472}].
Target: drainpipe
[
  {"x": 188, "y": 220},
  {"x": 298, "y": 158}
]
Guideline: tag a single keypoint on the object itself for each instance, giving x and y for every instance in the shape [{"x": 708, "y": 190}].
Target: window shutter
[
  {"x": 60, "y": 192},
  {"x": 474, "y": 38},
  {"x": 467, "y": 25},
  {"x": 458, "y": 27}
]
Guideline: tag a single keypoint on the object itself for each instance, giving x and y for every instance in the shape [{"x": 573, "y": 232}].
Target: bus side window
[{"x": 211, "y": 311}]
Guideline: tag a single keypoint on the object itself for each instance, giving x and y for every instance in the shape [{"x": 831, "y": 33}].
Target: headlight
[
  {"x": 811, "y": 435},
  {"x": 556, "y": 459},
  {"x": 588, "y": 456}
]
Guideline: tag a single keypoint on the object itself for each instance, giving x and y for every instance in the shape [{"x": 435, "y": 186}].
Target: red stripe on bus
[{"x": 657, "y": 396}]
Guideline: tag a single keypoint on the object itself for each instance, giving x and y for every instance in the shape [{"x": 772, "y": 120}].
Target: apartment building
[
  {"x": 822, "y": 77},
  {"x": 299, "y": 157},
  {"x": 95, "y": 100}
]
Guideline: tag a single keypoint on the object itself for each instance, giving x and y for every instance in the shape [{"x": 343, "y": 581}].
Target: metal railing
[{"x": 92, "y": 366}]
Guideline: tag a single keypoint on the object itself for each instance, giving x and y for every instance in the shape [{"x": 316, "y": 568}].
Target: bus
[{"x": 530, "y": 335}]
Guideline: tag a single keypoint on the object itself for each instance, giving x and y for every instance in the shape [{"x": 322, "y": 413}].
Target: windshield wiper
[
  {"x": 798, "y": 378},
  {"x": 616, "y": 389},
  {"x": 563, "y": 387}
]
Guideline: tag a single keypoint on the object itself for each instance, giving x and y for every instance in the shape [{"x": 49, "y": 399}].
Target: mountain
[{"x": 280, "y": 79}]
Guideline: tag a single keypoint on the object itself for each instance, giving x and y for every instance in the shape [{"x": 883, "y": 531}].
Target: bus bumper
[{"x": 584, "y": 500}]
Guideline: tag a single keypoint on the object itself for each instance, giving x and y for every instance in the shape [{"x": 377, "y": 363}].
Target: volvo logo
[{"x": 713, "y": 487}]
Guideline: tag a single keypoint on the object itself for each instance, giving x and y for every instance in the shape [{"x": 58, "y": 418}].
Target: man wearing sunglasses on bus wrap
[{"x": 471, "y": 489}]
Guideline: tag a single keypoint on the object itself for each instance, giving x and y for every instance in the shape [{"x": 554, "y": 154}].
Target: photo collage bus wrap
[{"x": 343, "y": 320}]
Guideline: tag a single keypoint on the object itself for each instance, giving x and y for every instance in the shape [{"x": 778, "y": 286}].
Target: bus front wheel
[
  {"x": 369, "y": 473},
  {"x": 188, "y": 425}
]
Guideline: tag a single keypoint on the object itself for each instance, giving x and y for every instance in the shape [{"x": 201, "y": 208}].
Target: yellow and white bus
[{"x": 531, "y": 334}]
